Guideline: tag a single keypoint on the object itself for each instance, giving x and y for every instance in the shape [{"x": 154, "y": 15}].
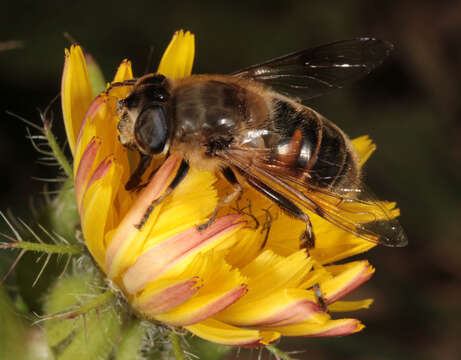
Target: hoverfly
[{"x": 252, "y": 124}]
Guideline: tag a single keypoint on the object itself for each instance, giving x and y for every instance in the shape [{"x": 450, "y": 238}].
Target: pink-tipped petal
[
  {"x": 281, "y": 308},
  {"x": 291, "y": 314},
  {"x": 206, "y": 310},
  {"x": 127, "y": 228},
  {"x": 339, "y": 328},
  {"x": 76, "y": 93},
  {"x": 328, "y": 328},
  {"x": 97, "y": 174},
  {"x": 166, "y": 254},
  {"x": 84, "y": 170},
  {"x": 94, "y": 108},
  {"x": 349, "y": 284},
  {"x": 222, "y": 333},
  {"x": 167, "y": 298}
]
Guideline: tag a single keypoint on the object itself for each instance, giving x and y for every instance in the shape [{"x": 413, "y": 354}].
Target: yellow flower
[{"x": 221, "y": 283}]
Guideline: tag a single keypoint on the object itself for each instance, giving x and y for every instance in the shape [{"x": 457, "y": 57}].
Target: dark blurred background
[{"x": 410, "y": 107}]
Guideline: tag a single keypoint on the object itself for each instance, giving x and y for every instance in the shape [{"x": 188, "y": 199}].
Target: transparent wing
[
  {"x": 354, "y": 210},
  {"x": 313, "y": 72}
]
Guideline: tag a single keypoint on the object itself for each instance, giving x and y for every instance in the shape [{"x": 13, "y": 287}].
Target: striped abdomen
[{"x": 311, "y": 148}]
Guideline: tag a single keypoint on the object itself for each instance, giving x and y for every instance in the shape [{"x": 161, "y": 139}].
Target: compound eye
[{"x": 152, "y": 130}]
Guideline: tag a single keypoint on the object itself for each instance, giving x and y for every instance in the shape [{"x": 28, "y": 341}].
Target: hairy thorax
[{"x": 209, "y": 112}]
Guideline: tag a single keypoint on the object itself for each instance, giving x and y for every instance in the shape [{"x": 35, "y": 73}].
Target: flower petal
[
  {"x": 364, "y": 148},
  {"x": 284, "y": 307},
  {"x": 87, "y": 130},
  {"x": 329, "y": 328},
  {"x": 76, "y": 93},
  {"x": 222, "y": 333},
  {"x": 98, "y": 207},
  {"x": 347, "y": 278},
  {"x": 124, "y": 72},
  {"x": 178, "y": 58},
  {"x": 83, "y": 173},
  {"x": 202, "y": 307},
  {"x": 334, "y": 245},
  {"x": 169, "y": 252},
  {"x": 192, "y": 202},
  {"x": 123, "y": 241},
  {"x": 343, "y": 306},
  {"x": 166, "y": 296},
  {"x": 266, "y": 276}
]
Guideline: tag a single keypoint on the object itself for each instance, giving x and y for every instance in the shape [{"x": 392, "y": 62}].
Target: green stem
[
  {"x": 279, "y": 354},
  {"x": 95, "y": 303},
  {"x": 46, "y": 248},
  {"x": 57, "y": 152},
  {"x": 176, "y": 344}
]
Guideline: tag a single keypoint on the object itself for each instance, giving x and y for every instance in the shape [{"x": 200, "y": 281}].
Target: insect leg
[
  {"x": 135, "y": 178},
  {"x": 180, "y": 175},
  {"x": 120, "y": 84},
  {"x": 232, "y": 179},
  {"x": 266, "y": 227},
  {"x": 308, "y": 237}
]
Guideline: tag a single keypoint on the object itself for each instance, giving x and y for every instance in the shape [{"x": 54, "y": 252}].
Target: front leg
[
  {"x": 135, "y": 179},
  {"x": 232, "y": 179},
  {"x": 180, "y": 175}
]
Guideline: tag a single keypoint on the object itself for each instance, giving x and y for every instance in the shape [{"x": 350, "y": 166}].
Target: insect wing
[
  {"x": 361, "y": 214},
  {"x": 313, "y": 72}
]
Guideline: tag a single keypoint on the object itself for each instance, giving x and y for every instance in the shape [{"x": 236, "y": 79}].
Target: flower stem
[
  {"x": 94, "y": 303},
  {"x": 46, "y": 248},
  {"x": 57, "y": 152},
  {"x": 279, "y": 354},
  {"x": 176, "y": 344}
]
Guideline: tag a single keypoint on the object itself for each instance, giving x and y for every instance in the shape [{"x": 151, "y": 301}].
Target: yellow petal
[
  {"x": 201, "y": 308},
  {"x": 364, "y": 148},
  {"x": 174, "y": 254},
  {"x": 178, "y": 58},
  {"x": 221, "y": 287},
  {"x": 246, "y": 248},
  {"x": 329, "y": 328},
  {"x": 282, "y": 307},
  {"x": 347, "y": 277},
  {"x": 124, "y": 72},
  {"x": 76, "y": 93},
  {"x": 343, "y": 306},
  {"x": 221, "y": 333},
  {"x": 97, "y": 204},
  {"x": 127, "y": 241},
  {"x": 88, "y": 130},
  {"x": 333, "y": 244},
  {"x": 165, "y": 295},
  {"x": 270, "y": 272},
  {"x": 191, "y": 202}
]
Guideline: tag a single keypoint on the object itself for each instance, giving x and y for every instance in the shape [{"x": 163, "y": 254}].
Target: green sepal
[
  {"x": 206, "y": 350},
  {"x": 13, "y": 334},
  {"x": 61, "y": 215},
  {"x": 95, "y": 336},
  {"x": 132, "y": 340},
  {"x": 63, "y": 296},
  {"x": 98, "y": 84},
  {"x": 83, "y": 321}
]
